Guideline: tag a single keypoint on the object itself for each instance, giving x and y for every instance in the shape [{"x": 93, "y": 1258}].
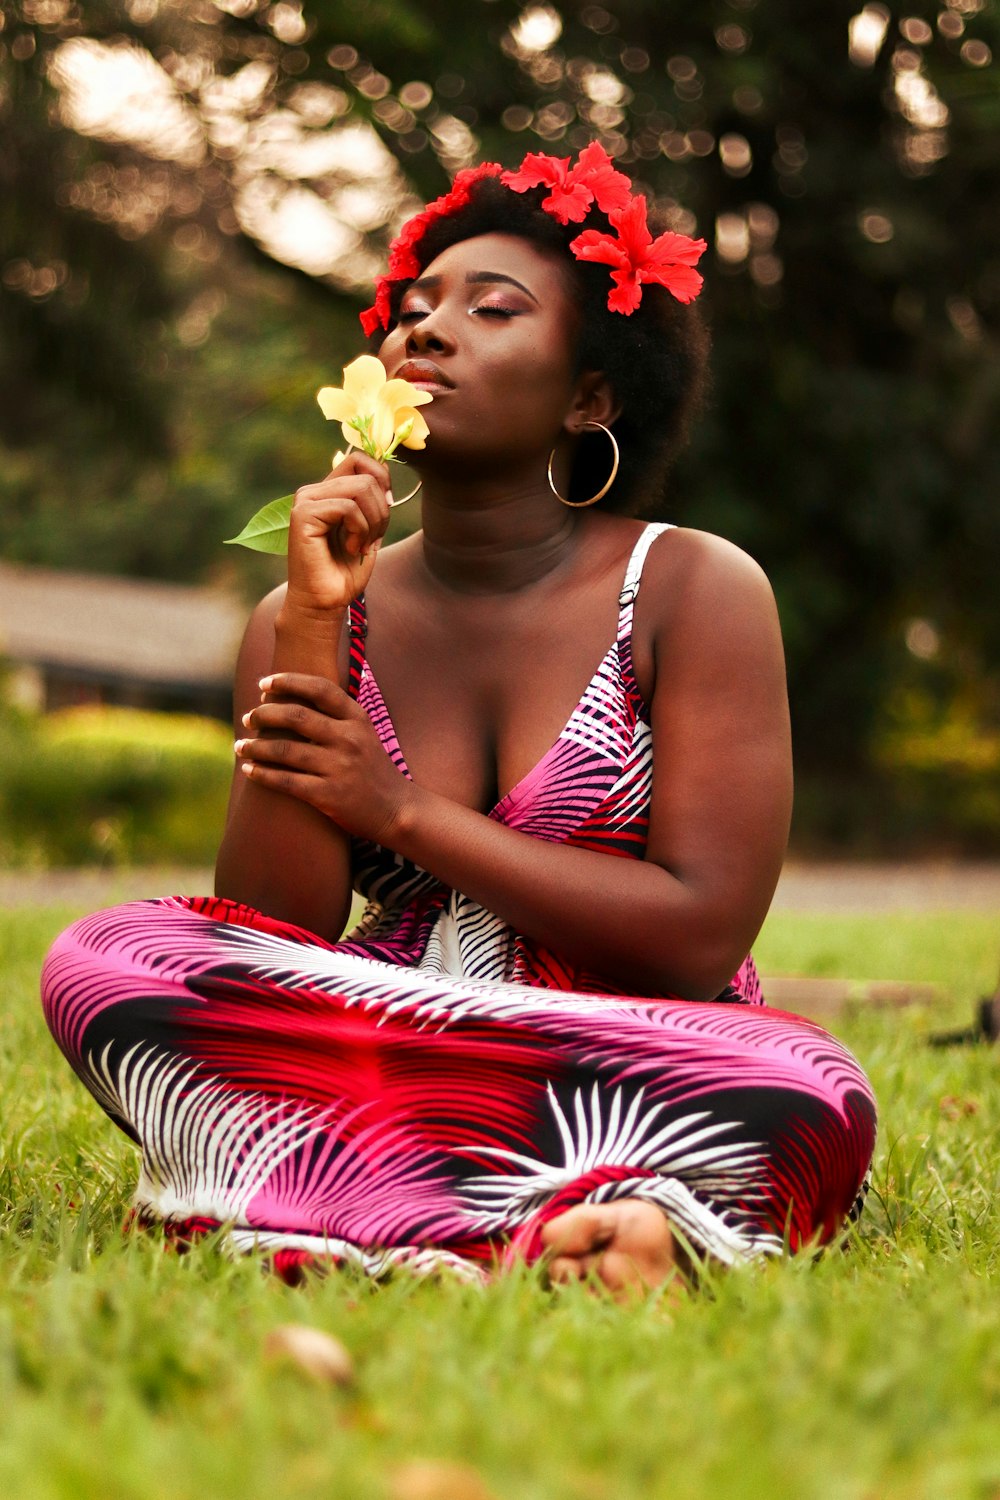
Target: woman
[{"x": 534, "y": 1043}]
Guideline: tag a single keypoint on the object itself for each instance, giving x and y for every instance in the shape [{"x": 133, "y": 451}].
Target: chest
[{"x": 478, "y": 696}]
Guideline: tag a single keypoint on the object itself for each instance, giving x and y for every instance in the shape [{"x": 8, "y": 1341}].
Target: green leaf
[{"x": 267, "y": 531}]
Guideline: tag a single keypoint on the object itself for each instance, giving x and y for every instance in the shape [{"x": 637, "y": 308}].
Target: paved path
[
  {"x": 89, "y": 889},
  {"x": 840, "y": 887},
  {"x": 887, "y": 886}
]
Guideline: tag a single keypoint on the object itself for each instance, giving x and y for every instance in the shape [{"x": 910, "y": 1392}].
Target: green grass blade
[
  {"x": 131, "y": 1371},
  {"x": 267, "y": 531}
]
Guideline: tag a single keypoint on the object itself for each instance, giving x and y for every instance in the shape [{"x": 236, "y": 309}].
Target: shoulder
[
  {"x": 259, "y": 632},
  {"x": 266, "y": 612},
  {"x": 696, "y": 572},
  {"x": 706, "y": 608},
  {"x": 682, "y": 555}
]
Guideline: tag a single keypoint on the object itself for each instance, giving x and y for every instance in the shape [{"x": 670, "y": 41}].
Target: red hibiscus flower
[
  {"x": 378, "y": 314},
  {"x": 592, "y": 180},
  {"x": 404, "y": 262},
  {"x": 631, "y": 251},
  {"x": 667, "y": 261}
]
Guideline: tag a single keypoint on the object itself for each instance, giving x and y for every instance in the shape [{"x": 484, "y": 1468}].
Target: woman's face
[{"x": 490, "y": 329}]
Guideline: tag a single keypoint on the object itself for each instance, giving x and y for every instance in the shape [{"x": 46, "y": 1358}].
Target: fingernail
[
  {"x": 239, "y": 746},
  {"x": 390, "y": 498},
  {"x": 265, "y": 683},
  {"x": 246, "y": 766},
  {"x": 246, "y": 720}
]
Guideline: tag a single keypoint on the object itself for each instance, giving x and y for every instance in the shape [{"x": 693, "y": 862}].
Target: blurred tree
[{"x": 841, "y": 158}]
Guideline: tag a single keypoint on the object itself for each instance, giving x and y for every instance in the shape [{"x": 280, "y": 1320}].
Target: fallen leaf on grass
[
  {"x": 321, "y": 1357},
  {"x": 954, "y": 1108},
  {"x": 425, "y": 1480}
]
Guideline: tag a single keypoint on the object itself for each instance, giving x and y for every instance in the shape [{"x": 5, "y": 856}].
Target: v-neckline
[{"x": 517, "y": 790}]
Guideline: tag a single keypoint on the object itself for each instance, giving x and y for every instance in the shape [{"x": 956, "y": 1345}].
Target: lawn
[{"x": 128, "y": 1371}]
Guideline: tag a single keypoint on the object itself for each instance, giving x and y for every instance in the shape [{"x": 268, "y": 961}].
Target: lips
[{"x": 425, "y": 375}]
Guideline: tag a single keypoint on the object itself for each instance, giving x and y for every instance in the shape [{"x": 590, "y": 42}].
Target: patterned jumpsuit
[{"x": 434, "y": 1088}]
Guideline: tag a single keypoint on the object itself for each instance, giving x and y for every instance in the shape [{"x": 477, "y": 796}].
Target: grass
[{"x": 128, "y": 1371}]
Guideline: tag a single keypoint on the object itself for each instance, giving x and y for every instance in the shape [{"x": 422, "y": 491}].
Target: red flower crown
[{"x": 633, "y": 254}]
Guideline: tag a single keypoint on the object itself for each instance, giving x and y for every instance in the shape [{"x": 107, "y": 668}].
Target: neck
[{"x": 495, "y": 537}]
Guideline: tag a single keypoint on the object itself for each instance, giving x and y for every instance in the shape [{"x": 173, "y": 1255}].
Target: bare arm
[
  {"x": 279, "y": 854},
  {"x": 682, "y": 919}
]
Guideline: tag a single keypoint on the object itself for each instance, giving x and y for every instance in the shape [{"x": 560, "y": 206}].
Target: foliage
[
  {"x": 112, "y": 786},
  {"x": 851, "y": 445},
  {"x": 128, "y": 1370}
]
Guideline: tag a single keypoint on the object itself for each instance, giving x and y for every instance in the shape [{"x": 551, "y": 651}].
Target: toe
[
  {"x": 642, "y": 1254},
  {"x": 562, "y": 1270},
  {"x": 580, "y": 1231}
]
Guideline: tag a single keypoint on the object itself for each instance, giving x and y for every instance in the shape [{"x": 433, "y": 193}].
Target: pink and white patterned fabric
[{"x": 432, "y": 1089}]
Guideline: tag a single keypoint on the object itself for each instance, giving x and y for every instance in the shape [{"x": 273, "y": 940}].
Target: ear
[{"x": 593, "y": 401}]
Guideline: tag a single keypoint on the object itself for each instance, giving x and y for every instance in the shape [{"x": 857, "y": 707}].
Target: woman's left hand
[{"x": 311, "y": 740}]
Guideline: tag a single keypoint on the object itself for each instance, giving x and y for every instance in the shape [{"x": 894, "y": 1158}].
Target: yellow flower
[{"x": 376, "y": 414}]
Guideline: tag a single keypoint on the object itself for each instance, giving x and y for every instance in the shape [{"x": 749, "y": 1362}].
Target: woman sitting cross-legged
[{"x": 548, "y": 742}]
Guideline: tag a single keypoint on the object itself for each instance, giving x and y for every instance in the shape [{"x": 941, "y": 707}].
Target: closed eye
[{"x": 492, "y": 310}]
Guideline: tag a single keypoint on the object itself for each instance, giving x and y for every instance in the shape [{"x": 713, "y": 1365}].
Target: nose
[{"x": 428, "y": 335}]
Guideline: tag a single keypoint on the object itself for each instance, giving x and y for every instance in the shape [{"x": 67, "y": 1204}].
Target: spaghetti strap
[
  {"x": 357, "y": 625},
  {"x": 630, "y": 590},
  {"x": 633, "y": 573}
]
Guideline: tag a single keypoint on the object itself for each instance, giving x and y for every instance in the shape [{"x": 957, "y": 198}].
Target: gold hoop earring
[
  {"x": 580, "y": 504},
  {"x": 403, "y": 498}
]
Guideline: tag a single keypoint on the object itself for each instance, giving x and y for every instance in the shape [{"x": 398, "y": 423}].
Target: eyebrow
[{"x": 478, "y": 278}]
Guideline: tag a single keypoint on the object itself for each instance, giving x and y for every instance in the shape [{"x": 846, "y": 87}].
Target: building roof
[{"x": 126, "y": 628}]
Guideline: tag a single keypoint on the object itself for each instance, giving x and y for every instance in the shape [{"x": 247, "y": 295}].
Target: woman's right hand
[{"x": 335, "y": 532}]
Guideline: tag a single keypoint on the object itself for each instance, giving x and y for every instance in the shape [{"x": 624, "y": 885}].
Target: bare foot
[{"x": 627, "y": 1245}]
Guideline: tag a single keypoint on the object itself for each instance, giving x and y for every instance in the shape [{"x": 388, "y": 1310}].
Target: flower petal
[
  {"x": 682, "y": 282},
  {"x": 568, "y": 204},
  {"x": 403, "y": 262},
  {"x": 417, "y": 437},
  {"x": 395, "y": 404},
  {"x": 397, "y": 393},
  {"x": 370, "y": 320},
  {"x": 595, "y": 169},
  {"x": 675, "y": 248},
  {"x": 382, "y": 429},
  {"x": 626, "y": 294},
  {"x": 381, "y": 309},
  {"x": 593, "y": 245},
  {"x": 335, "y": 404},
  {"x": 537, "y": 170},
  {"x": 364, "y": 377},
  {"x": 633, "y": 230}
]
